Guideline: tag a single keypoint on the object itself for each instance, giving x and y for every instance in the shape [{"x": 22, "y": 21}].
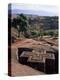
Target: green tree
[
  {"x": 14, "y": 23},
  {"x": 22, "y": 24}
]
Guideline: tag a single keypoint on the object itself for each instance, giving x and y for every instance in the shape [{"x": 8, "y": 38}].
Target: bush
[
  {"x": 51, "y": 33},
  {"x": 34, "y": 33}
]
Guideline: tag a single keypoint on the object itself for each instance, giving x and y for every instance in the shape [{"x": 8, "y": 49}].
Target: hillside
[{"x": 47, "y": 22}]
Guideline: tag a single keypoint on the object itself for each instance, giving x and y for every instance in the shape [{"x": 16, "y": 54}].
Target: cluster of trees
[
  {"x": 35, "y": 26},
  {"x": 44, "y": 21},
  {"x": 20, "y": 23}
]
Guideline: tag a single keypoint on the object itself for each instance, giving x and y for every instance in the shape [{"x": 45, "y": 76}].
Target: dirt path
[{"x": 27, "y": 43}]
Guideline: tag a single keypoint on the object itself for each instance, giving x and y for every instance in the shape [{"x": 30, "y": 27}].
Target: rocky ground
[{"x": 18, "y": 69}]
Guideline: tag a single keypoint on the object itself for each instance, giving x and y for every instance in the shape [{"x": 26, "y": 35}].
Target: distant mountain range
[{"x": 31, "y": 12}]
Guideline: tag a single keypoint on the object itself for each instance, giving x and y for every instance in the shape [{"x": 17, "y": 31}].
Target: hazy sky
[{"x": 42, "y": 10}]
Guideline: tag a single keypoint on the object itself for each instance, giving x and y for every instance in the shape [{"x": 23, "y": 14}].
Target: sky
[{"x": 34, "y": 9}]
